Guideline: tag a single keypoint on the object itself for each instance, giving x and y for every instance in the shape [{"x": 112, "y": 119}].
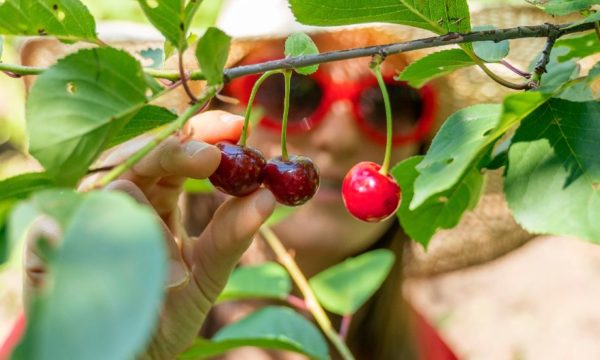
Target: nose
[{"x": 338, "y": 133}]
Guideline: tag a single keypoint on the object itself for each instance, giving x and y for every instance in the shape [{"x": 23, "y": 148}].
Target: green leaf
[
  {"x": 273, "y": 327},
  {"x": 594, "y": 17},
  {"x": 76, "y": 106},
  {"x": 299, "y": 44},
  {"x": 441, "y": 212},
  {"x": 171, "y": 17},
  {"x": 552, "y": 179},
  {"x": 563, "y": 7},
  {"x": 434, "y": 65},
  {"x": 20, "y": 186},
  {"x": 68, "y": 20},
  {"x": 578, "y": 47},
  {"x": 194, "y": 186},
  {"x": 459, "y": 142},
  {"x": 439, "y": 16},
  {"x": 212, "y": 51},
  {"x": 148, "y": 118},
  {"x": 345, "y": 287},
  {"x": 268, "y": 280},
  {"x": 578, "y": 91},
  {"x": 490, "y": 51},
  {"x": 108, "y": 277}
]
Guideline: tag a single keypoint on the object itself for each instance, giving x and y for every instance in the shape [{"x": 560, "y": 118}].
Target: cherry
[
  {"x": 241, "y": 170},
  {"x": 368, "y": 194},
  {"x": 294, "y": 181}
]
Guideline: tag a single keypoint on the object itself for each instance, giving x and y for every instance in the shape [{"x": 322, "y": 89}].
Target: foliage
[{"x": 109, "y": 270}]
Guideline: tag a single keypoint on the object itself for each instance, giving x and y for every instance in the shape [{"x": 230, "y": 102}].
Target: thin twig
[
  {"x": 309, "y": 297},
  {"x": 184, "y": 80},
  {"x": 520, "y": 32},
  {"x": 515, "y": 69},
  {"x": 297, "y": 302},
  {"x": 540, "y": 67},
  {"x": 345, "y": 326}
]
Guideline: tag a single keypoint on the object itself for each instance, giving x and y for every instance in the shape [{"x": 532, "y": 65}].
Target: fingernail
[
  {"x": 264, "y": 202},
  {"x": 231, "y": 118},
  {"x": 194, "y": 147},
  {"x": 178, "y": 274}
]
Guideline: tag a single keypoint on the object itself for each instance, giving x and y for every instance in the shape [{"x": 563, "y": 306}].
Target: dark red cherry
[
  {"x": 369, "y": 195},
  {"x": 292, "y": 182},
  {"x": 241, "y": 170}
]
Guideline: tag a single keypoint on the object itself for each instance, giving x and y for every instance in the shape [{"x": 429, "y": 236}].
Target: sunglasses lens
[
  {"x": 305, "y": 98},
  {"x": 406, "y": 104}
]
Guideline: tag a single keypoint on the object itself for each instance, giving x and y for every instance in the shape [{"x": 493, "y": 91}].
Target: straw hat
[{"x": 483, "y": 234}]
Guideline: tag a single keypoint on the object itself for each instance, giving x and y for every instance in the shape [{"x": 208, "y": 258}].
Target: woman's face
[{"x": 323, "y": 228}]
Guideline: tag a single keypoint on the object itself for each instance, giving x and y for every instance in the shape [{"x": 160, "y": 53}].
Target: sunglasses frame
[{"x": 348, "y": 90}]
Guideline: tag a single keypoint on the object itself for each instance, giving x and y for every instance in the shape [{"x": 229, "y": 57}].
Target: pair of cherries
[
  {"x": 243, "y": 169},
  {"x": 368, "y": 194}
]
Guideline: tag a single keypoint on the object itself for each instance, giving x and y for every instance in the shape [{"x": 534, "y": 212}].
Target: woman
[{"x": 336, "y": 120}]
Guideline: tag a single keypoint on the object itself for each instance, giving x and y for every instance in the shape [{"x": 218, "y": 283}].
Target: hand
[{"x": 199, "y": 266}]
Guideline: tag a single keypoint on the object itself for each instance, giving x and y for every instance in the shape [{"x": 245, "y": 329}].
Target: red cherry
[
  {"x": 292, "y": 182},
  {"x": 241, "y": 170},
  {"x": 369, "y": 195}
]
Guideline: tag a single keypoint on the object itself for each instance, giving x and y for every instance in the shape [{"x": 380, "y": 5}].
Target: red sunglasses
[{"x": 413, "y": 110}]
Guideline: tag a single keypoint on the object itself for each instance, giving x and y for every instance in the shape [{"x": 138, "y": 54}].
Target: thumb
[{"x": 220, "y": 246}]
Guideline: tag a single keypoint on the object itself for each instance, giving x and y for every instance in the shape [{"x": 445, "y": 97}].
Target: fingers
[
  {"x": 228, "y": 235},
  {"x": 214, "y": 126},
  {"x": 178, "y": 271},
  {"x": 44, "y": 235}
]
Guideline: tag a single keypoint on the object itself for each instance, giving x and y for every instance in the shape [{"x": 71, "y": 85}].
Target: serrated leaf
[
  {"x": 434, "y": 65},
  {"x": 345, "y": 287},
  {"x": 459, "y": 142},
  {"x": 578, "y": 47},
  {"x": 490, "y": 51},
  {"x": 172, "y": 18},
  {"x": 552, "y": 181},
  {"x": 212, "y": 51},
  {"x": 148, "y": 118},
  {"x": 108, "y": 277},
  {"x": 68, "y": 20},
  {"x": 273, "y": 327},
  {"x": 268, "y": 280},
  {"x": 442, "y": 212},
  {"x": 439, "y": 16},
  {"x": 563, "y": 7},
  {"x": 299, "y": 44},
  {"x": 77, "y": 105},
  {"x": 20, "y": 186}
]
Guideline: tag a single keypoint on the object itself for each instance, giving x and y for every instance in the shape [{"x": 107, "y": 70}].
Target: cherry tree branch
[{"x": 520, "y": 32}]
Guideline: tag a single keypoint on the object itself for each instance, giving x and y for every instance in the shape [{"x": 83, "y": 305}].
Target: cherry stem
[
  {"x": 255, "y": 88},
  {"x": 376, "y": 68},
  {"x": 309, "y": 296},
  {"x": 184, "y": 79},
  {"x": 514, "y": 69},
  {"x": 287, "y": 75},
  {"x": 345, "y": 326}
]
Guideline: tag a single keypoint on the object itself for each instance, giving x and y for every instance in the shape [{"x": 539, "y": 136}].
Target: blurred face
[{"x": 337, "y": 119}]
